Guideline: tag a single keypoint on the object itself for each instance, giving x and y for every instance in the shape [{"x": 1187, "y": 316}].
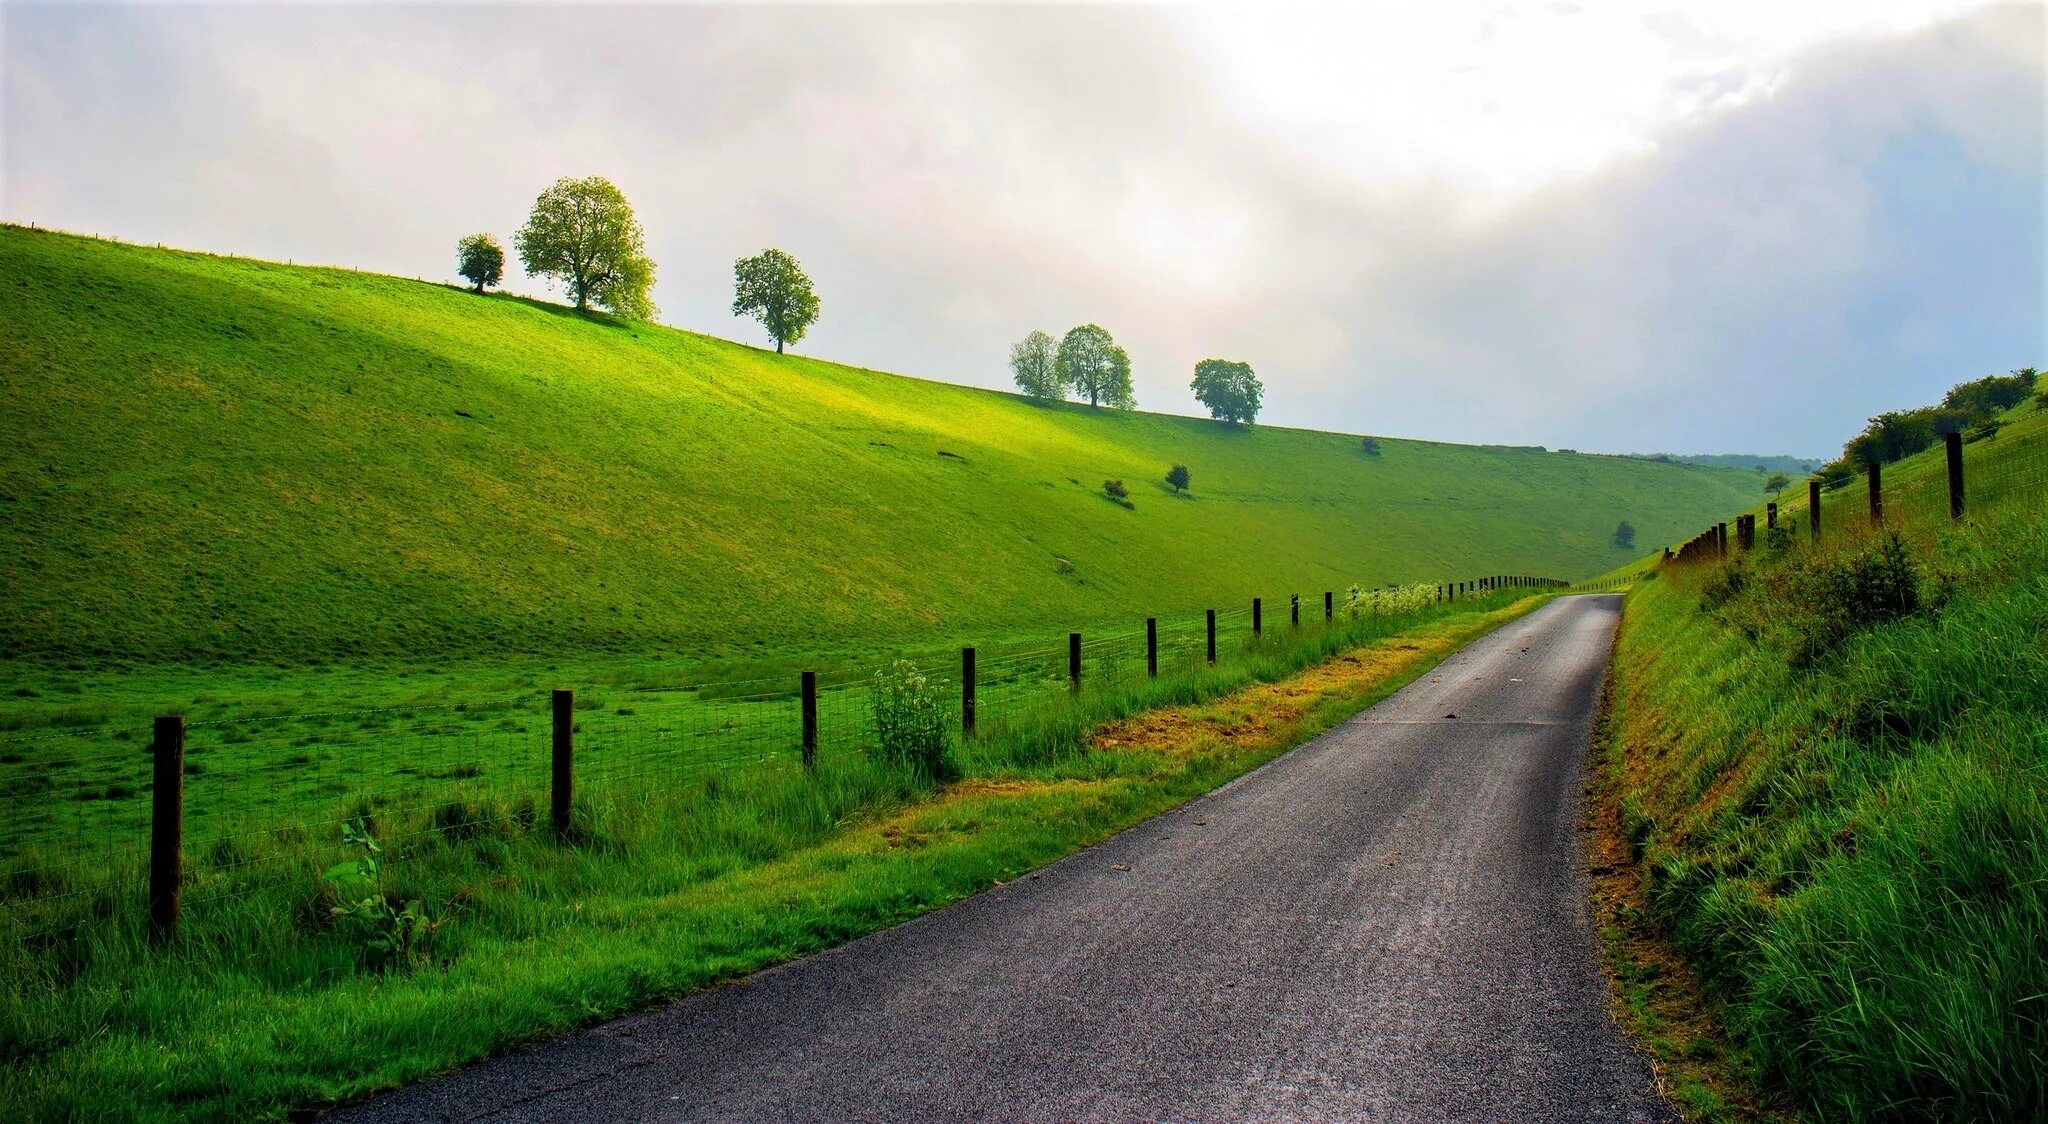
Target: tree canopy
[
  {"x": 772, "y": 288},
  {"x": 1229, "y": 389},
  {"x": 583, "y": 234},
  {"x": 1034, "y": 361},
  {"x": 480, "y": 260},
  {"x": 1777, "y": 484},
  {"x": 1092, "y": 364}
]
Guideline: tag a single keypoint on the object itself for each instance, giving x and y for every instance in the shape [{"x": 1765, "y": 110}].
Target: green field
[
  {"x": 1832, "y": 761},
  {"x": 207, "y": 459}
]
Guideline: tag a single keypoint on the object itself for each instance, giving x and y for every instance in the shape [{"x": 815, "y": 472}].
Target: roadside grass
[
  {"x": 211, "y": 467},
  {"x": 1836, "y": 799},
  {"x": 266, "y": 1004}
]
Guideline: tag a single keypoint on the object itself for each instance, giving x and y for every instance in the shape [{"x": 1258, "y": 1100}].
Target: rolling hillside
[{"x": 206, "y": 458}]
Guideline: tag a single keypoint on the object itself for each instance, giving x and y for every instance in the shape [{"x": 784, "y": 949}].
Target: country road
[{"x": 1388, "y": 923}]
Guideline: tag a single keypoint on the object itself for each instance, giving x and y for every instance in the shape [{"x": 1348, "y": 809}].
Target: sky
[{"x": 1709, "y": 227}]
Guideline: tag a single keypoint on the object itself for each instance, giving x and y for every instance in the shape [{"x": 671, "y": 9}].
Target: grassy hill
[{"x": 206, "y": 458}]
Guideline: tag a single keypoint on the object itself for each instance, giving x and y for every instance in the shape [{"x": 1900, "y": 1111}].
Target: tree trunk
[{"x": 778, "y": 347}]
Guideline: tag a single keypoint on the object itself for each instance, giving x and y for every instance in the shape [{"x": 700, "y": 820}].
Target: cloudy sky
[{"x": 1725, "y": 226}]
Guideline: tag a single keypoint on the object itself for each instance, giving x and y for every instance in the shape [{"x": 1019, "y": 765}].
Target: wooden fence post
[
  {"x": 1876, "y": 477},
  {"x": 166, "y": 826},
  {"x": 967, "y": 691},
  {"x": 1074, "y": 660},
  {"x": 1329, "y": 606},
  {"x": 1813, "y": 508},
  {"x": 1152, "y": 647},
  {"x": 1770, "y": 517},
  {"x": 810, "y": 719},
  {"x": 1257, "y": 622},
  {"x": 1212, "y": 636},
  {"x": 1294, "y": 609},
  {"x": 564, "y": 759},
  {"x": 1954, "y": 441}
]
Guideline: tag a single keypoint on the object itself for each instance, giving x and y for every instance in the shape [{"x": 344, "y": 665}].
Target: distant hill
[
  {"x": 211, "y": 458},
  {"x": 1755, "y": 462}
]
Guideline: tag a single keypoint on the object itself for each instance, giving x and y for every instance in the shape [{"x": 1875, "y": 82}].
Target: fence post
[
  {"x": 166, "y": 825},
  {"x": 1152, "y": 647},
  {"x": 1770, "y": 517},
  {"x": 1721, "y": 539},
  {"x": 1329, "y": 606},
  {"x": 1257, "y": 622},
  {"x": 1876, "y": 478},
  {"x": 1074, "y": 660},
  {"x": 564, "y": 758},
  {"x": 1294, "y": 609},
  {"x": 1212, "y": 636},
  {"x": 1813, "y": 508},
  {"x": 1954, "y": 441},
  {"x": 810, "y": 710},
  {"x": 967, "y": 691}
]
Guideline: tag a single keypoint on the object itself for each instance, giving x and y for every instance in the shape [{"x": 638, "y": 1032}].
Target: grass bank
[
  {"x": 1829, "y": 766},
  {"x": 267, "y": 1002}
]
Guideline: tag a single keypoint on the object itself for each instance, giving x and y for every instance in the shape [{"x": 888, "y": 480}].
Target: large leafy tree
[
  {"x": 1034, "y": 360},
  {"x": 1098, "y": 370},
  {"x": 480, "y": 260},
  {"x": 1229, "y": 389},
  {"x": 772, "y": 288},
  {"x": 583, "y": 234}
]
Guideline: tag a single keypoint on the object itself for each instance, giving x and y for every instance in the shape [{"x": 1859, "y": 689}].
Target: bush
[
  {"x": 910, "y": 721},
  {"x": 1833, "y": 597},
  {"x": 1178, "y": 477},
  {"x": 1115, "y": 490},
  {"x": 1371, "y": 445}
]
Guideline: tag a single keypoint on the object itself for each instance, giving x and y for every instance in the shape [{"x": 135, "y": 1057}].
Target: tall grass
[{"x": 1834, "y": 760}]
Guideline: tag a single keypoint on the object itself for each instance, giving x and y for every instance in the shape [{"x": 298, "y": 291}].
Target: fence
[
  {"x": 1919, "y": 492},
  {"x": 119, "y": 827}
]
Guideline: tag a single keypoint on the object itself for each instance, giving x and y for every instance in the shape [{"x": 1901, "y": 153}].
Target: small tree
[
  {"x": 583, "y": 234},
  {"x": 1625, "y": 535},
  {"x": 773, "y": 289},
  {"x": 1116, "y": 490},
  {"x": 1090, "y": 361},
  {"x": 1034, "y": 361},
  {"x": 1229, "y": 389},
  {"x": 1178, "y": 477},
  {"x": 480, "y": 260},
  {"x": 1777, "y": 484},
  {"x": 1371, "y": 445}
]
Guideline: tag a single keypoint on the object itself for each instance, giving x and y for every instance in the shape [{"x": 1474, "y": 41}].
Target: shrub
[
  {"x": 1178, "y": 477},
  {"x": 1371, "y": 445},
  {"x": 910, "y": 720},
  {"x": 1833, "y": 597},
  {"x": 1115, "y": 490},
  {"x": 389, "y": 936}
]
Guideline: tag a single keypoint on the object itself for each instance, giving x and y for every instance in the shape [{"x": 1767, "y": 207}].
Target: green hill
[{"x": 206, "y": 458}]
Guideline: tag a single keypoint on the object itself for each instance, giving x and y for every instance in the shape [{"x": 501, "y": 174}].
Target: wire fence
[{"x": 262, "y": 801}]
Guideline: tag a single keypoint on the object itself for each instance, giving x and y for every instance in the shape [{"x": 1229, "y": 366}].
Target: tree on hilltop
[
  {"x": 1034, "y": 362},
  {"x": 480, "y": 260},
  {"x": 583, "y": 234},
  {"x": 1229, "y": 389},
  {"x": 772, "y": 288},
  {"x": 1090, "y": 361}
]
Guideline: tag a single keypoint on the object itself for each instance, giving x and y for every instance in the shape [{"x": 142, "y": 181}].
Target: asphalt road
[{"x": 1388, "y": 923}]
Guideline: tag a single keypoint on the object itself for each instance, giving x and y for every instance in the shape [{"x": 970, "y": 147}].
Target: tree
[
  {"x": 1625, "y": 535},
  {"x": 1178, "y": 477},
  {"x": 1116, "y": 490},
  {"x": 583, "y": 234},
  {"x": 1034, "y": 360},
  {"x": 772, "y": 288},
  {"x": 1091, "y": 362},
  {"x": 1229, "y": 389},
  {"x": 1777, "y": 484},
  {"x": 480, "y": 260},
  {"x": 1371, "y": 445}
]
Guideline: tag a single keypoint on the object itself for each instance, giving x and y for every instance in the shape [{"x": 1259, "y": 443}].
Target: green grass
[
  {"x": 1844, "y": 822},
  {"x": 674, "y": 880},
  {"x": 208, "y": 459}
]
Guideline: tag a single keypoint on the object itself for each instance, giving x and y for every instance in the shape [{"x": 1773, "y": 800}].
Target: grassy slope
[
  {"x": 1854, "y": 853},
  {"x": 211, "y": 458}
]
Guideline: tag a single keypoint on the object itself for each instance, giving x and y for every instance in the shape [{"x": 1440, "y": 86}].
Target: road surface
[{"x": 1388, "y": 923}]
